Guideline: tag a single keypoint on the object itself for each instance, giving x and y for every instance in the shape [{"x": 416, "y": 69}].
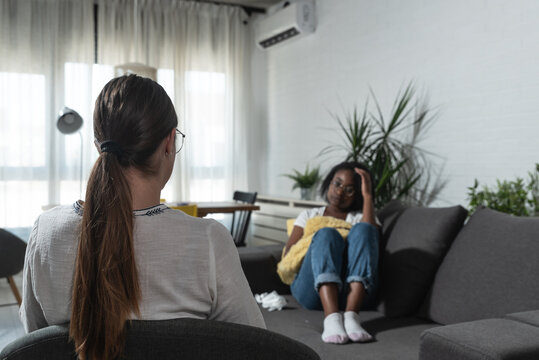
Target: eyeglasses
[
  {"x": 347, "y": 190},
  {"x": 181, "y": 141}
]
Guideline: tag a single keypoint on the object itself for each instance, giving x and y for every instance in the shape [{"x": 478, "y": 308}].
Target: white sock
[
  {"x": 334, "y": 332},
  {"x": 353, "y": 328}
]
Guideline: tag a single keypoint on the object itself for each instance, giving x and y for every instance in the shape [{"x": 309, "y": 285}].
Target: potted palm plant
[
  {"x": 306, "y": 181},
  {"x": 389, "y": 147}
]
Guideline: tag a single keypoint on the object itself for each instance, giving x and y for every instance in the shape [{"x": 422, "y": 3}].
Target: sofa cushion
[
  {"x": 396, "y": 338},
  {"x": 417, "y": 240},
  {"x": 488, "y": 339},
  {"x": 491, "y": 270},
  {"x": 388, "y": 216}
]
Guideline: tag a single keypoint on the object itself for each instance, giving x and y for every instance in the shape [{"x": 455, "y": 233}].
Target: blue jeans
[{"x": 331, "y": 259}]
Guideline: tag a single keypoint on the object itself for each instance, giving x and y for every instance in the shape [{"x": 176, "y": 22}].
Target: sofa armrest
[
  {"x": 259, "y": 264},
  {"x": 482, "y": 339}
]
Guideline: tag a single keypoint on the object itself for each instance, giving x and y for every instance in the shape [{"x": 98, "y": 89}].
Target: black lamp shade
[{"x": 69, "y": 121}]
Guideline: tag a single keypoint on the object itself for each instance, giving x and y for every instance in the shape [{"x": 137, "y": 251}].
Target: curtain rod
[{"x": 248, "y": 9}]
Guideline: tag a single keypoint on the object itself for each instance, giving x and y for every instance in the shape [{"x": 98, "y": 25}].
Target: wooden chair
[
  {"x": 12, "y": 251},
  {"x": 240, "y": 219}
]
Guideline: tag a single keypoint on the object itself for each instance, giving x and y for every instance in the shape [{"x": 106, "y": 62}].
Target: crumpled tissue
[{"x": 271, "y": 301}]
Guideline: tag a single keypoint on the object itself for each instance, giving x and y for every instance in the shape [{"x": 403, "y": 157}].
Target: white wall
[
  {"x": 258, "y": 126},
  {"x": 477, "y": 60}
]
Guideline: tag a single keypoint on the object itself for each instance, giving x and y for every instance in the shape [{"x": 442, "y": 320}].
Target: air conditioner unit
[{"x": 291, "y": 20}]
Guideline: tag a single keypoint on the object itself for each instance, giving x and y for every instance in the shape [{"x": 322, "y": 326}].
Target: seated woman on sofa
[
  {"x": 121, "y": 254},
  {"x": 338, "y": 274}
]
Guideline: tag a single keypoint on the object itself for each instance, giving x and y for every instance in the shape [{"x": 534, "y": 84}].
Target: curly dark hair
[{"x": 357, "y": 205}]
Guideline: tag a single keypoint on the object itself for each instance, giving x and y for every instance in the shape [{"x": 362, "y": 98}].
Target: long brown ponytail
[{"x": 135, "y": 114}]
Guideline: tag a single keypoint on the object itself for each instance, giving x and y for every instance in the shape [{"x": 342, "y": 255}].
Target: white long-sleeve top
[{"x": 187, "y": 267}]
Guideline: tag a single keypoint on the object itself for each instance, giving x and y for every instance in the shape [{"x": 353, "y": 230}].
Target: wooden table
[{"x": 211, "y": 207}]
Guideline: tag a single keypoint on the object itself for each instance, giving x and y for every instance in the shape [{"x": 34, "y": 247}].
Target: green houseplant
[
  {"x": 390, "y": 148},
  {"x": 305, "y": 181},
  {"x": 515, "y": 197}
]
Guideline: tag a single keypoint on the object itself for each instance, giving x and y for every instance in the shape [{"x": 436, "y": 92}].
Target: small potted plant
[{"x": 305, "y": 181}]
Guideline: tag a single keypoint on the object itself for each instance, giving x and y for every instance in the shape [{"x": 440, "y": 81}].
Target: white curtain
[
  {"x": 201, "y": 52},
  {"x": 47, "y": 51},
  {"x": 46, "y": 55}
]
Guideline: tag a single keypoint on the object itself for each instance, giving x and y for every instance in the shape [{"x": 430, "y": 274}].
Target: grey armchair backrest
[
  {"x": 12, "y": 250},
  {"x": 170, "y": 339}
]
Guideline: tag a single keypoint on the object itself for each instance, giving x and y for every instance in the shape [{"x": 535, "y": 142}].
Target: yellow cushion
[
  {"x": 290, "y": 264},
  {"x": 290, "y": 226}
]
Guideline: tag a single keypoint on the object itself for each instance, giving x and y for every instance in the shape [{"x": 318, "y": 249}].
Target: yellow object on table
[{"x": 189, "y": 209}]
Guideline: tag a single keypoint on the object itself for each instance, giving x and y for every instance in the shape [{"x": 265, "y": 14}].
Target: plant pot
[{"x": 308, "y": 193}]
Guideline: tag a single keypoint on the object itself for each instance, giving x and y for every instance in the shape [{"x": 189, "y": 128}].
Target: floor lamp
[{"x": 69, "y": 121}]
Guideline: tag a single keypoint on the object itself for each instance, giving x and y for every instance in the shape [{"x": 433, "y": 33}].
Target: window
[
  {"x": 210, "y": 155},
  {"x": 22, "y": 148},
  {"x": 39, "y": 166}
]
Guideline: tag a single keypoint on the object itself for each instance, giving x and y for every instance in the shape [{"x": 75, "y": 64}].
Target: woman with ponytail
[{"x": 122, "y": 255}]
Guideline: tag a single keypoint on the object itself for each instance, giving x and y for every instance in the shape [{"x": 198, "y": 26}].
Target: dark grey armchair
[
  {"x": 12, "y": 250},
  {"x": 170, "y": 339}
]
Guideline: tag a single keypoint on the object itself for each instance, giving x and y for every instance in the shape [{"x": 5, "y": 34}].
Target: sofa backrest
[
  {"x": 259, "y": 265},
  {"x": 491, "y": 269},
  {"x": 414, "y": 243},
  {"x": 170, "y": 339}
]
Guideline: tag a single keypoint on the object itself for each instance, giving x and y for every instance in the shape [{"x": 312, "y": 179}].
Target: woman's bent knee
[
  {"x": 328, "y": 232},
  {"x": 364, "y": 228},
  {"x": 328, "y": 238}
]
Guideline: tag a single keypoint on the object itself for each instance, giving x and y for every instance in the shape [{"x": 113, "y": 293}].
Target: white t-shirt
[
  {"x": 352, "y": 217},
  {"x": 187, "y": 267}
]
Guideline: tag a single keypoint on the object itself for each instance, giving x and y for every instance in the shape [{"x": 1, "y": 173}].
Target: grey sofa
[{"x": 448, "y": 290}]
